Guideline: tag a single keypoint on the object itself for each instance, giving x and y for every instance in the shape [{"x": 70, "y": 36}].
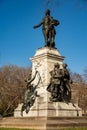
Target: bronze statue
[
  {"x": 48, "y": 29},
  {"x": 66, "y": 83},
  {"x": 30, "y": 94},
  {"x": 55, "y": 84},
  {"x": 59, "y": 85}
]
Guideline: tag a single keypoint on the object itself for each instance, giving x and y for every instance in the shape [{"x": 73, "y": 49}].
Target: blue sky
[{"x": 19, "y": 41}]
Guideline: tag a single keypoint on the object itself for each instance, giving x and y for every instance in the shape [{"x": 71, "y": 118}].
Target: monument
[{"x": 48, "y": 92}]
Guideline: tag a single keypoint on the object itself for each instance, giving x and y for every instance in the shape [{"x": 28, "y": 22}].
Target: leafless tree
[{"x": 12, "y": 87}]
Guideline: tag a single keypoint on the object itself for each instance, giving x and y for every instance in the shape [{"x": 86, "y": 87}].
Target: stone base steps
[{"x": 43, "y": 123}]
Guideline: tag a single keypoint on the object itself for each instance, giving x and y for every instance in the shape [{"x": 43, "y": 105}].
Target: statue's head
[
  {"x": 57, "y": 65},
  {"x": 47, "y": 12},
  {"x": 64, "y": 65}
]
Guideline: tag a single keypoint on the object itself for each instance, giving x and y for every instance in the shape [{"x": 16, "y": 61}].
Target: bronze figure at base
[
  {"x": 59, "y": 85},
  {"x": 30, "y": 94}
]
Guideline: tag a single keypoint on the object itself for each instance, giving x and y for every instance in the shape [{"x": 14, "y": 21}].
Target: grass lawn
[
  {"x": 32, "y": 129},
  {"x": 13, "y": 129}
]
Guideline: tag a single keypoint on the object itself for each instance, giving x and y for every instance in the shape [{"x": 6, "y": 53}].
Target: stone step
[{"x": 42, "y": 123}]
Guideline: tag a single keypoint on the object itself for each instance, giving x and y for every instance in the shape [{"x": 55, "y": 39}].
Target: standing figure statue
[
  {"x": 54, "y": 86},
  {"x": 48, "y": 29},
  {"x": 30, "y": 94},
  {"x": 59, "y": 85},
  {"x": 66, "y": 83}
]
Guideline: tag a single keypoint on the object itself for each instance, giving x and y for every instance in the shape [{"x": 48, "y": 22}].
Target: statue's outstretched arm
[
  {"x": 29, "y": 81},
  {"x": 39, "y": 78},
  {"x": 38, "y": 25}
]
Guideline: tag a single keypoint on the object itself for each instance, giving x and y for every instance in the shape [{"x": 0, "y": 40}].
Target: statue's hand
[
  {"x": 34, "y": 27},
  {"x": 55, "y": 22}
]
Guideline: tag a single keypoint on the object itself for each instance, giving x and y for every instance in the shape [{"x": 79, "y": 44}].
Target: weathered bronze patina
[
  {"x": 59, "y": 85},
  {"x": 48, "y": 29},
  {"x": 30, "y": 94}
]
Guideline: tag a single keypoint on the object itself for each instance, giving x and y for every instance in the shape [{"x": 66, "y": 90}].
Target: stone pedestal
[
  {"x": 50, "y": 109},
  {"x": 44, "y": 61}
]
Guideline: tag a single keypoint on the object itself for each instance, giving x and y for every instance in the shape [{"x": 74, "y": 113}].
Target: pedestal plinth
[{"x": 44, "y": 61}]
